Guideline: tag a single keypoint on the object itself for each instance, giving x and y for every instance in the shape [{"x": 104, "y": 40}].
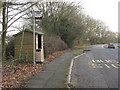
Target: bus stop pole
[{"x": 34, "y": 38}]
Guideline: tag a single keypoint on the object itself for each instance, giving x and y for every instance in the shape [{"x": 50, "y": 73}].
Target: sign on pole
[
  {"x": 87, "y": 39},
  {"x": 38, "y": 14}
]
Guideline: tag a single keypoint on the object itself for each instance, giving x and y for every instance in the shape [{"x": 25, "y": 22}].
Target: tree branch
[
  {"x": 21, "y": 12},
  {"x": 17, "y": 19}
]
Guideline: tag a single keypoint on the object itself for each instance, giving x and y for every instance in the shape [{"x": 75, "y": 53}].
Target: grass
[
  {"x": 119, "y": 46},
  {"x": 78, "y": 52},
  {"x": 66, "y": 75},
  {"x": 71, "y": 85},
  {"x": 88, "y": 46},
  {"x": 84, "y": 46}
]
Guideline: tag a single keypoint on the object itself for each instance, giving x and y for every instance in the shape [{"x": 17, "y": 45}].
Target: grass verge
[
  {"x": 78, "y": 52},
  {"x": 71, "y": 85},
  {"x": 66, "y": 75},
  {"x": 89, "y": 46},
  {"x": 83, "y": 46}
]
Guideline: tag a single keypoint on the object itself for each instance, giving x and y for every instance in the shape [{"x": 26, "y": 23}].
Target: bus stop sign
[{"x": 38, "y": 14}]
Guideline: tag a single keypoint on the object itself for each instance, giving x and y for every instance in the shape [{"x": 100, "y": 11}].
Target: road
[{"x": 97, "y": 68}]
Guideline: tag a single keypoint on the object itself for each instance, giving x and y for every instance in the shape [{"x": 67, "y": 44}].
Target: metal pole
[{"x": 34, "y": 37}]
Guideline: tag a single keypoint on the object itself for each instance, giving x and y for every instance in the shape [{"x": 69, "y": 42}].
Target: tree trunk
[{"x": 4, "y": 28}]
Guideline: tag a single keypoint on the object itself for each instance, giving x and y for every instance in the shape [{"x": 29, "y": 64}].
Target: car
[{"x": 111, "y": 45}]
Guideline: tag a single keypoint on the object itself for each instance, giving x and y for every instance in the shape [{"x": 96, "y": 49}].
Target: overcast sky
[{"x": 104, "y": 10}]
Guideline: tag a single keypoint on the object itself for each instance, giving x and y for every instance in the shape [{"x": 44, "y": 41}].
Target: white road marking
[
  {"x": 98, "y": 61},
  {"x": 118, "y": 65},
  {"x": 78, "y": 56},
  {"x": 93, "y": 65},
  {"x": 108, "y": 61},
  {"x": 99, "y": 66},
  {"x": 107, "y": 66},
  {"x": 93, "y": 60},
  {"x": 101, "y": 61},
  {"x": 70, "y": 69}
]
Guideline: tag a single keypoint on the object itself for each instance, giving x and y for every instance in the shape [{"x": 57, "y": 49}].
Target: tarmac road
[
  {"x": 96, "y": 69},
  {"x": 54, "y": 73}
]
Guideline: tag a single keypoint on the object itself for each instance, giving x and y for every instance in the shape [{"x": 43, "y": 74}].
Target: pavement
[
  {"x": 54, "y": 73},
  {"x": 96, "y": 69}
]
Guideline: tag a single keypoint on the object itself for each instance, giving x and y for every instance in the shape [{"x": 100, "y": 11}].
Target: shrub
[
  {"x": 22, "y": 60},
  {"x": 52, "y": 44},
  {"x": 10, "y": 48}
]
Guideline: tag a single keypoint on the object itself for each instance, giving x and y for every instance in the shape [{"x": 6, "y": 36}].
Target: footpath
[{"x": 54, "y": 73}]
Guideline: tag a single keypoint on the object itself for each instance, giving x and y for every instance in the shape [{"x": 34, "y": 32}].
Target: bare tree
[{"x": 12, "y": 11}]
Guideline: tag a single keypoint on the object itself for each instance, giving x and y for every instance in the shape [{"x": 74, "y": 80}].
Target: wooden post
[
  {"x": 42, "y": 51},
  {"x": 21, "y": 44}
]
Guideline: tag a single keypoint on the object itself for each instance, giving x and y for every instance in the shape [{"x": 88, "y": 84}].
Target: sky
[{"x": 104, "y": 10}]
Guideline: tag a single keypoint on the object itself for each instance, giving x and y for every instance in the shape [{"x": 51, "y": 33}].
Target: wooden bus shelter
[{"x": 27, "y": 45}]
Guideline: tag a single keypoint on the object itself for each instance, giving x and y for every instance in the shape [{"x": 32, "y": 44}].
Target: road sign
[
  {"x": 87, "y": 39},
  {"x": 38, "y": 14}
]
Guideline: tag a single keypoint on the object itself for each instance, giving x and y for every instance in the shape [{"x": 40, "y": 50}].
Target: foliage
[
  {"x": 60, "y": 19},
  {"x": 10, "y": 48},
  {"x": 22, "y": 59},
  {"x": 118, "y": 37},
  {"x": 52, "y": 44},
  {"x": 98, "y": 32},
  {"x": 12, "y": 11},
  {"x": 69, "y": 22},
  {"x": 65, "y": 21},
  {"x": 13, "y": 74},
  {"x": 71, "y": 85},
  {"x": 86, "y": 46},
  {"x": 0, "y": 7},
  {"x": 78, "y": 52}
]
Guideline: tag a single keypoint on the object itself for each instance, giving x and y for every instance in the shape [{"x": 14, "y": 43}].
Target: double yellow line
[
  {"x": 107, "y": 66},
  {"x": 97, "y": 61},
  {"x": 114, "y": 66},
  {"x": 94, "y": 65}
]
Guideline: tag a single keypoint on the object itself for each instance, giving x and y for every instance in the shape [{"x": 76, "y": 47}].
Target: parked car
[{"x": 111, "y": 45}]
